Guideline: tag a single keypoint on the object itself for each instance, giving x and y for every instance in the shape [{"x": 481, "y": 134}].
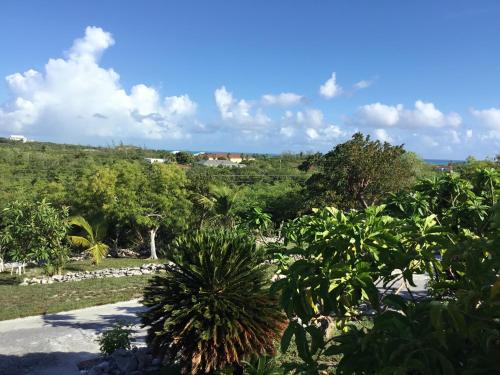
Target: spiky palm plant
[
  {"x": 212, "y": 309},
  {"x": 220, "y": 205},
  {"x": 91, "y": 241}
]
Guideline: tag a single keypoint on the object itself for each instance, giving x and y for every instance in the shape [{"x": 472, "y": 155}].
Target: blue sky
[{"x": 254, "y": 76}]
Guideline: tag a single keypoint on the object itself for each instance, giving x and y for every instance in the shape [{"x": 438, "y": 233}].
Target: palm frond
[
  {"x": 79, "y": 241},
  {"x": 212, "y": 309}
]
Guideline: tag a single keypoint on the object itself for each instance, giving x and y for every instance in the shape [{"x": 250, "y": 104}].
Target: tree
[
  {"x": 91, "y": 241},
  {"x": 220, "y": 205},
  {"x": 183, "y": 157},
  {"x": 359, "y": 172},
  {"x": 164, "y": 202},
  {"x": 36, "y": 231},
  {"x": 212, "y": 309},
  {"x": 135, "y": 196},
  {"x": 345, "y": 264}
]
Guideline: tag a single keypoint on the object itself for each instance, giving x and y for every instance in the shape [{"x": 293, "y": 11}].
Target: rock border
[{"x": 145, "y": 269}]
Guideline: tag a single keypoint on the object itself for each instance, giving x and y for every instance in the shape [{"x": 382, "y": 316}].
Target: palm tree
[
  {"x": 212, "y": 309},
  {"x": 91, "y": 240},
  {"x": 219, "y": 205}
]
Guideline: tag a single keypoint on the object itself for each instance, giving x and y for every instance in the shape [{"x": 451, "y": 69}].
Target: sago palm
[
  {"x": 91, "y": 241},
  {"x": 212, "y": 309}
]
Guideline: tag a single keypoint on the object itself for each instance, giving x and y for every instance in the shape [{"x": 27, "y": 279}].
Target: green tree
[
  {"x": 344, "y": 265},
  {"x": 212, "y": 309},
  {"x": 359, "y": 172},
  {"x": 36, "y": 231},
  {"x": 138, "y": 197},
  {"x": 220, "y": 205},
  {"x": 91, "y": 240},
  {"x": 183, "y": 157}
]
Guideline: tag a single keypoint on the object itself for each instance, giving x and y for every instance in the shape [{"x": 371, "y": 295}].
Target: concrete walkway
[{"x": 55, "y": 343}]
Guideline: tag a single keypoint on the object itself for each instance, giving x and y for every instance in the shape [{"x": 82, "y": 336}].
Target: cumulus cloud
[
  {"x": 310, "y": 116},
  {"x": 284, "y": 99},
  {"x": 422, "y": 115},
  {"x": 489, "y": 117},
  {"x": 75, "y": 97},
  {"x": 330, "y": 88},
  {"x": 382, "y": 135},
  {"x": 238, "y": 112}
]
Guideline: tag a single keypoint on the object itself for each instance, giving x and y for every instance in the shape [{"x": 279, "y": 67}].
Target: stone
[
  {"x": 156, "y": 362},
  {"x": 125, "y": 361}
]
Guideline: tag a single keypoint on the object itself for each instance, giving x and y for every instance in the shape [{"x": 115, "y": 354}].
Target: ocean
[{"x": 443, "y": 161}]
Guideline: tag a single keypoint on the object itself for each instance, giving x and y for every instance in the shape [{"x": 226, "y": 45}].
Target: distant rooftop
[{"x": 221, "y": 163}]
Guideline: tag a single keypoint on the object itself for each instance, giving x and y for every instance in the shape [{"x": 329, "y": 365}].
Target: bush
[
  {"x": 117, "y": 337},
  {"x": 212, "y": 309}
]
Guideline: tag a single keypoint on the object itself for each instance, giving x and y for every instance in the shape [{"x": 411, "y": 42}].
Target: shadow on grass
[
  {"x": 9, "y": 280},
  {"x": 43, "y": 363}
]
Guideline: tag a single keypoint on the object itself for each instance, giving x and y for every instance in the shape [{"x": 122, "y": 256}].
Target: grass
[{"x": 19, "y": 301}]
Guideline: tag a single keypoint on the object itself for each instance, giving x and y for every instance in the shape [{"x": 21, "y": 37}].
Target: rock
[
  {"x": 125, "y": 361},
  {"x": 156, "y": 362}
]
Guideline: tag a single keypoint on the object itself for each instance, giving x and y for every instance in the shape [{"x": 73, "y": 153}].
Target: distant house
[
  {"x": 221, "y": 163},
  {"x": 18, "y": 138},
  {"x": 443, "y": 168},
  {"x": 235, "y": 158},
  {"x": 153, "y": 160}
]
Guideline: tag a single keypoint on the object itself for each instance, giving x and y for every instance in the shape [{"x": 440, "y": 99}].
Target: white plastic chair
[{"x": 19, "y": 267}]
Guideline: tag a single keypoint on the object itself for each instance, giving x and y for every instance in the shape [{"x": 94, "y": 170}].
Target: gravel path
[{"x": 55, "y": 343}]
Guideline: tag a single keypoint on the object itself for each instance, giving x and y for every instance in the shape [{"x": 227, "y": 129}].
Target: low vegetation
[
  {"x": 20, "y": 301},
  {"x": 336, "y": 232}
]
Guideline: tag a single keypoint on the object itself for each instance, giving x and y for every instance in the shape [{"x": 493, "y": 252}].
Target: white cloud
[
  {"x": 423, "y": 115},
  {"x": 312, "y": 133},
  {"x": 238, "y": 111},
  {"x": 76, "y": 97},
  {"x": 310, "y": 116},
  {"x": 324, "y": 134},
  {"x": 285, "y": 99},
  {"x": 363, "y": 84},
  {"x": 489, "y": 117},
  {"x": 330, "y": 88},
  {"x": 379, "y": 114},
  {"x": 287, "y": 131},
  {"x": 382, "y": 135}
]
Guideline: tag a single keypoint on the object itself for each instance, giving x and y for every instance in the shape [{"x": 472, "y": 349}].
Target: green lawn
[{"x": 19, "y": 301}]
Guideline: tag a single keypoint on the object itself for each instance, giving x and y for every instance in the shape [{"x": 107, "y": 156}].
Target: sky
[{"x": 253, "y": 76}]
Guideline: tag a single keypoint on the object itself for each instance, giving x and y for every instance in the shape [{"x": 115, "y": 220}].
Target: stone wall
[{"x": 145, "y": 269}]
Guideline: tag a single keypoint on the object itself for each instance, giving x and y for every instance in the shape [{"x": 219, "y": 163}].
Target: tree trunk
[{"x": 152, "y": 234}]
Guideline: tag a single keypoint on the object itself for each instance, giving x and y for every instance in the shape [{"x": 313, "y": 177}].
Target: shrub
[
  {"x": 117, "y": 337},
  {"x": 212, "y": 309}
]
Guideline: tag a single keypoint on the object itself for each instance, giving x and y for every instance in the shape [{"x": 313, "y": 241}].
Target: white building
[
  {"x": 19, "y": 138},
  {"x": 153, "y": 160}
]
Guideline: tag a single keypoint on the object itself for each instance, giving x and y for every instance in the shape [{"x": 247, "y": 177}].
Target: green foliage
[
  {"x": 35, "y": 231},
  {"x": 219, "y": 206},
  {"x": 263, "y": 366},
  {"x": 114, "y": 338},
  {"x": 92, "y": 239},
  {"x": 358, "y": 173},
  {"x": 212, "y": 309},
  {"x": 184, "y": 157},
  {"x": 343, "y": 265}
]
